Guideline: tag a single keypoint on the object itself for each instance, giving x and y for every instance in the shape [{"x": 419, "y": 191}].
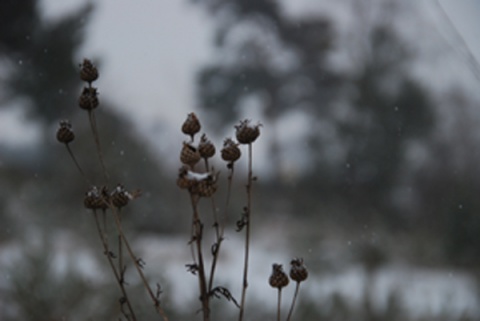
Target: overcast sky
[{"x": 150, "y": 49}]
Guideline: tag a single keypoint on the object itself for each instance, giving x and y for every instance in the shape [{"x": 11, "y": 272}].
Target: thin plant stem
[
  {"x": 279, "y": 301},
  {"x": 219, "y": 229},
  {"x": 93, "y": 125},
  {"x": 119, "y": 279},
  {"x": 197, "y": 238},
  {"x": 82, "y": 173},
  {"x": 136, "y": 263},
  {"x": 297, "y": 288},
  {"x": 247, "y": 233},
  {"x": 121, "y": 266},
  {"x": 228, "y": 197}
]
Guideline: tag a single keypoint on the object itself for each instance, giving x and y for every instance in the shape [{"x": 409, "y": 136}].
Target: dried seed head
[
  {"x": 246, "y": 133},
  {"x": 205, "y": 187},
  {"x": 189, "y": 155},
  {"x": 298, "y": 270},
  {"x": 201, "y": 184},
  {"x": 230, "y": 151},
  {"x": 64, "y": 133},
  {"x": 96, "y": 199},
  {"x": 278, "y": 279},
  {"x": 120, "y": 197},
  {"x": 206, "y": 148},
  {"x": 191, "y": 126},
  {"x": 88, "y": 100},
  {"x": 88, "y": 72},
  {"x": 183, "y": 180}
]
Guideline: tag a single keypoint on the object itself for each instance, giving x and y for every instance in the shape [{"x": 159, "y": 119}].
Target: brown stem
[
  {"x": 279, "y": 301},
  {"x": 247, "y": 233},
  {"x": 136, "y": 263},
  {"x": 221, "y": 233},
  {"x": 297, "y": 288},
  {"x": 93, "y": 125},
  {"x": 197, "y": 237},
  {"x": 70, "y": 152},
  {"x": 121, "y": 266},
  {"x": 119, "y": 279}
]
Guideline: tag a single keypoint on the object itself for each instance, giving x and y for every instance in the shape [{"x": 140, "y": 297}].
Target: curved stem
[
  {"x": 197, "y": 238},
  {"x": 70, "y": 152},
  {"x": 93, "y": 125},
  {"x": 136, "y": 263},
  {"x": 293, "y": 301},
  {"x": 220, "y": 230},
  {"x": 108, "y": 254}
]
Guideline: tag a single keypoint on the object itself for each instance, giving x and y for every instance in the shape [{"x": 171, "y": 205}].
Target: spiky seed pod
[
  {"x": 278, "y": 279},
  {"x": 96, "y": 199},
  {"x": 246, "y": 133},
  {"x": 205, "y": 188},
  {"x": 88, "y": 100},
  {"x": 120, "y": 197},
  {"x": 191, "y": 126},
  {"x": 298, "y": 270},
  {"x": 205, "y": 147},
  {"x": 64, "y": 133},
  {"x": 183, "y": 181},
  {"x": 88, "y": 72},
  {"x": 230, "y": 151},
  {"x": 189, "y": 155}
]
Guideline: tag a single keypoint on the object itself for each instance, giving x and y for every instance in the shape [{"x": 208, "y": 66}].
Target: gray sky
[{"x": 150, "y": 49}]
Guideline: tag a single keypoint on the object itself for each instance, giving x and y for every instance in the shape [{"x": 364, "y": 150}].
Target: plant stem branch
[
  {"x": 220, "y": 233},
  {"x": 104, "y": 239},
  {"x": 136, "y": 263},
  {"x": 297, "y": 288},
  {"x": 279, "y": 301},
  {"x": 197, "y": 237},
  {"x": 93, "y": 125},
  {"x": 247, "y": 233},
  {"x": 70, "y": 152}
]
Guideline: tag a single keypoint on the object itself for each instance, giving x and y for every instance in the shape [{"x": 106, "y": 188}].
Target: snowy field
[{"x": 419, "y": 291}]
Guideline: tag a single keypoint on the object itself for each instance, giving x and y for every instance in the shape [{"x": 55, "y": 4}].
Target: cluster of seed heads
[
  {"x": 95, "y": 198},
  {"x": 191, "y": 154},
  {"x": 100, "y": 198},
  {"x": 279, "y": 279},
  {"x": 88, "y": 100}
]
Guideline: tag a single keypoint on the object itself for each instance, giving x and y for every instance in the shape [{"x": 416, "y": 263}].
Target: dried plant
[
  {"x": 106, "y": 205},
  {"x": 201, "y": 182}
]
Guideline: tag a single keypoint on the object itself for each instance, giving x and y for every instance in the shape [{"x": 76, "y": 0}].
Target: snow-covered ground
[{"x": 420, "y": 291}]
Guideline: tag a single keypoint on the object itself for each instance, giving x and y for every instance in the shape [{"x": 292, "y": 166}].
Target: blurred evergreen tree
[
  {"x": 285, "y": 62},
  {"x": 37, "y": 57},
  {"x": 388, "y": 110},
  {"x": 279, "y": 61},
  {"x": 41, "y": 74}
]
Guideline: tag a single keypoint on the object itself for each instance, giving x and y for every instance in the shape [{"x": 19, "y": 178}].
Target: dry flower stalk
[{"x": 106, "y": 206}]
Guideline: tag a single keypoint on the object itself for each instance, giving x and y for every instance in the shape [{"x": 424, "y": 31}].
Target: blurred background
[{"x": 366, "y": 165}]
